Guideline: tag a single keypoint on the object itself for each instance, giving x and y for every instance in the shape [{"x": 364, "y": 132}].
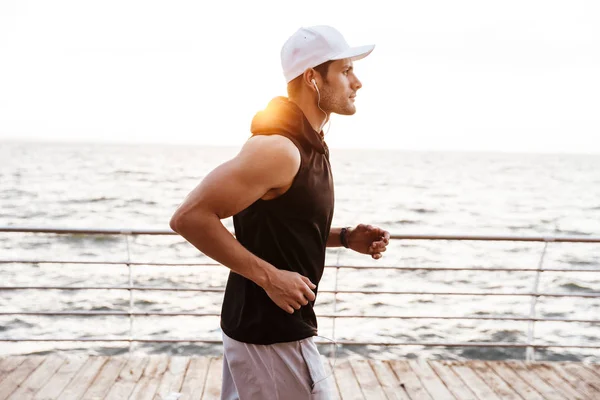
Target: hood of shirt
[{"x": 282, "y": 116}]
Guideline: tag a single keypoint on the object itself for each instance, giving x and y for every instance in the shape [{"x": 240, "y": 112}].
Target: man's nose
[{"x": 357, "y": 84}]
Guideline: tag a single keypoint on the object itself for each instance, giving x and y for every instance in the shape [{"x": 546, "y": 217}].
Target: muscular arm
[{"x": 264, "y": 163}]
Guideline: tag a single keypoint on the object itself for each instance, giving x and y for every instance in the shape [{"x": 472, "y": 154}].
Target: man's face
[{"x": 339, "y": 88}]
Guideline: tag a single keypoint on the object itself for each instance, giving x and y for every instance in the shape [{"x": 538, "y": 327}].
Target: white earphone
[{"x": 314, "y": 82}]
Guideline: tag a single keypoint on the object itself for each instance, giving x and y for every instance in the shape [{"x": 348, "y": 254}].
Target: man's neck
[{"x": 313, "y": 114}]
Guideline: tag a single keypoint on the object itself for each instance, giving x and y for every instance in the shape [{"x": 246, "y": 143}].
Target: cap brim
[{"x": 355, "y": 53}]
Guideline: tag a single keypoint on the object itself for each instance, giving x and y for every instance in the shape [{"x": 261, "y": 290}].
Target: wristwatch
[{"x": 344, "y": 236}]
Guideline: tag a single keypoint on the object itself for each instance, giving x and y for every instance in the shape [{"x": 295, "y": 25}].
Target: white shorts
[{"x": 280, "y": 371}]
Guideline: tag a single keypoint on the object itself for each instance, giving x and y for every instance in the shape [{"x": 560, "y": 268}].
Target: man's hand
[
  {"x": 367, "y": 239},
  {"x": 290, "y": 290}
]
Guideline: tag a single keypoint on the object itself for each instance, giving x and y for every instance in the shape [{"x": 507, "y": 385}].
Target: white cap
[{"x": 312, "y": 46}]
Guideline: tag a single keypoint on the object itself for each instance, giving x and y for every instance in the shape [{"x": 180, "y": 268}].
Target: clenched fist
[{"x": 289, "y": 290}]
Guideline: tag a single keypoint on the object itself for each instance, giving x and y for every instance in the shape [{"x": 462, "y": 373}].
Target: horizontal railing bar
[
  {"x": 492, "y": 269},
  {"x": 339, "y": 342},
  {"x": 141, "y": 288},
  {"x": 349, "y": 316},
  {"x": 478, "y": 317},
  {"x": 110, "y": 313},
  {"x": 539, "y": 294},
  {"x": 501, "y": 238},
  {"x": 89, "y": 262},
  {"x": 87, "y": 231},
  {"x": 215, "y": 341},
  {"x": 221, "y": 290},
  {"x": 127, "y": 231}
]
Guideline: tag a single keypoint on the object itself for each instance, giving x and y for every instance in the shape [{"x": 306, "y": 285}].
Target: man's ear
[{"x": 311, "y": 78}]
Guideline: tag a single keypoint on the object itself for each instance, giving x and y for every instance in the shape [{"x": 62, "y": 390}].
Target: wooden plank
[
  {"x": 334, "y": 391},
  {"x": 558, "y": 383},
  {"x": 346, "y": 381},
  {"x": 74, "y": 376},
  {"x": 409, "y": 380},
  {"x": 367, "y": 380},
  {"x": 433, "y": 384},
  {"x": 148, "y": 383},
  {"x": 545, "y": 389},
  {"x": 452, "y": 381},
  {"x": 12, "y": 381},
  {"x": 594, "y": 367},
  {"x": 128, "y": 378},
  {"x": 581, "y": 386},
  {"x": 212, "y": 389},
  {"x": 519, "y": 385},
  {"x": 195, "y": 378},
  {"x": 30, "y": 386},
  {"x": 9, "y": 364},
  {"x": 494, "y": 381},
  {"x": 172, "y": 378},
  {"x": 84, "y": 377},
  {"x": 582, "y": 373},
  {"x": 105, "y": 378},
  {"x": 57, "y": 383},
  {"x": 388, "y": 380},
  {"x": 475, "y": 383}
]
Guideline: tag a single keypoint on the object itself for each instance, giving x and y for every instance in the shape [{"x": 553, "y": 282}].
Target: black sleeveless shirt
[{"x": 290, "y": 232}]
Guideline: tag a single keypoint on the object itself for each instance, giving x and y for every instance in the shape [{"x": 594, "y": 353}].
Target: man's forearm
[
  {"x": 207, "y": 233},
  {"x": 334, "y": 238}
]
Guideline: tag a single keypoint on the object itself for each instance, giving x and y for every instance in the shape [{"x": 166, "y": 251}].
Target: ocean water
[{"x": 139, "y": 186}]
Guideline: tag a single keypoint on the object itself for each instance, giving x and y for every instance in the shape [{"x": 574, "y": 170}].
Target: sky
[{"x": 509, "y": 76}]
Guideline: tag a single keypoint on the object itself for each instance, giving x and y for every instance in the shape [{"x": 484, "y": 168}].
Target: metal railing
[{"x": 530, "y": 345}]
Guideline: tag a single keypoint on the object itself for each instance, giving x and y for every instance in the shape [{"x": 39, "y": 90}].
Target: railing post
[
  {"x": 130, "y": 292},
  {"x": 335, "y": 293},
  {"x": 530, "y": 353}
]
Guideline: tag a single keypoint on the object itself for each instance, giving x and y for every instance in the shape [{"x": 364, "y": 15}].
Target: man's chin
[{"x": 350, "y": 110}]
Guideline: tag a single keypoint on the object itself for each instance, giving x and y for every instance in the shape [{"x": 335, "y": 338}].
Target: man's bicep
[
  {"x": 229, "y": 189},
  {"x": 236, "y": 184}
]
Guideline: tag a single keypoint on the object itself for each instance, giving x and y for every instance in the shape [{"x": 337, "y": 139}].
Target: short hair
[{"x": 293, "y": 87}]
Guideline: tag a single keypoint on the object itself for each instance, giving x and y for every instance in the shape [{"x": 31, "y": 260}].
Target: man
[{"x": 279, "y": 190}]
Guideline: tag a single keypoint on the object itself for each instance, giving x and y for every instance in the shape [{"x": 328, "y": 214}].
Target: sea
[{"x": 139, "y": 186}]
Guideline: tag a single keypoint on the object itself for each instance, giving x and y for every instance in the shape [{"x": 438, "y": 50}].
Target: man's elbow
[
  {"x": 175, "y": 222},
  {"x": 185, "y": 221},
  {"x": 180, "y": 218}
]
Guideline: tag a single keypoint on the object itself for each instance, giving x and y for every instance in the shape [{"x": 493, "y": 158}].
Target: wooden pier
[{"x": 57, "y": 376}]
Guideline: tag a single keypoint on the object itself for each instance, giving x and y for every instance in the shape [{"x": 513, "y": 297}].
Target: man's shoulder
[
  {"x": 270, "y": 153},
  {"x": 271, "y": 145},
  {"x": 272, "y": 140}
]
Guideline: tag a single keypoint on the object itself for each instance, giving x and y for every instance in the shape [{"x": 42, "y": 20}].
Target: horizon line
[{"x": 239, "y": 145}]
